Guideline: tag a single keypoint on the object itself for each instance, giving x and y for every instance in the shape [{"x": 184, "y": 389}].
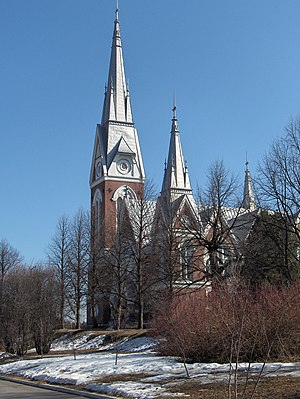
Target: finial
[
  {"x": 174, "y": 106},
  {"x": 185, "y": 165},
  {"x": 117, "y": 10},
  {"x": 247, "y": 163},
  {"x": 105, "y": 89},
  {"x": 165, "y": 164}
]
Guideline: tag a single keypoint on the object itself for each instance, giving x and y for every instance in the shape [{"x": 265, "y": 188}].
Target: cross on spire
[
  {"x": 174, "y": 106},
  {"x": 247, "y": 163}
]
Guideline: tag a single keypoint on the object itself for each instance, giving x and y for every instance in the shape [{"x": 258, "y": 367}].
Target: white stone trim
[{"x": 124, "y": 192}]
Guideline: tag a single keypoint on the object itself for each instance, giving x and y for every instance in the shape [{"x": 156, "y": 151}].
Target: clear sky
[{"x": 233, "y": 64}]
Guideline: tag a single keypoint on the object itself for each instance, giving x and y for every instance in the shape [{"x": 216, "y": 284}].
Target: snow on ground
[
  {"x": 79, "y": 342},
  {"x": 90, "y": 341},
  {"x": 140, "y": 344},
  {"x": 5, "y": 355},
  {"x": 152, "y": 374}
]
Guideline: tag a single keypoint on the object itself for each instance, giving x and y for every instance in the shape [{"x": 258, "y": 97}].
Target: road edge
[{"x": 56, "y": 388}]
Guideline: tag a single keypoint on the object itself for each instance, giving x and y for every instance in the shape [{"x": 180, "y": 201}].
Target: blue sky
[{"x": 233, "y": 64}]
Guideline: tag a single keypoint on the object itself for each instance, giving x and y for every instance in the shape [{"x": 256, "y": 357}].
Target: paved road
[{"x": 12, "y": 390}]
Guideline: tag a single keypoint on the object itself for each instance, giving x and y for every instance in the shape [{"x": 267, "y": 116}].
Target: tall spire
[
  {"x": 248, "y": 199},
  {"x": 176, "y": 178},
  {"x": 117, "y": 101},
  {"x": 117, "y": 155}
]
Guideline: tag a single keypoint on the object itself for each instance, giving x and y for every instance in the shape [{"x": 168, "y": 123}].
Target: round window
[{"x": 124, "y": 166}]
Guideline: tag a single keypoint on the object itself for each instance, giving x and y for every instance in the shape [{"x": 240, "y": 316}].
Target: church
[{"x": 172, "y": 243}]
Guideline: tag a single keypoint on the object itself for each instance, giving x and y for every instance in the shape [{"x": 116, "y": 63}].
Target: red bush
[{"x": 231, "y": 324}]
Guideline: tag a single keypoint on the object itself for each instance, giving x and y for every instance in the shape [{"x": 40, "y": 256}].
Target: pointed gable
[{"x": 123, "y": 147}]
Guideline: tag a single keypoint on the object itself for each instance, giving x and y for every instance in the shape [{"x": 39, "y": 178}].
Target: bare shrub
[{"x": 231, "y": 325}]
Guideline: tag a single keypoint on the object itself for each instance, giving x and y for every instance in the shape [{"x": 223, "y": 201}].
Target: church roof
[{"x": 242, "y": 224}]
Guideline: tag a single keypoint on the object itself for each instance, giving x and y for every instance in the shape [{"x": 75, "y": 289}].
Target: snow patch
[
  {"x": 128, "y": 344},
  {"x": 129, "y": 389},
  {"x": 134, "y": 358},
  {"x": 79, "y": 342}
]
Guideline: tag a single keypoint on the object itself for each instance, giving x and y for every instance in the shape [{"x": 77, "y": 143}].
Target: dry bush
[{"x": 231, "y": 324}]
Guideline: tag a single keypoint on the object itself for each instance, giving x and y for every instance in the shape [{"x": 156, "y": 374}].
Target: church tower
[{"x": 117, "y": 169}]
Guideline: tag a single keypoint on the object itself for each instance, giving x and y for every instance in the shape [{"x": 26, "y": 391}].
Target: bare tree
[
  {"x": 9, "y": 258},
  {"x": 95, "y": 271},
  {"x": 117, "y": 263},
  {"x": 166, "y": 247},
  {"x": 29, "y": 309},
  {"x": 278, "y": 184},
  {"x": 43, "y": 306},
  {"x": 142, "y": 273},
  {"x": 218, "y": 213},
  {"x": 78, "y": 260},
  {"x": 264, "y": 251},
  {"x": 58, "y": 253},
  {"x": 16, "y": 321}
]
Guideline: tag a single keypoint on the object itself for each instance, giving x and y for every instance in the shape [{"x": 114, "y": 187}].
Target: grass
[
  {"x": 121, "y": 377},
  {"x": 268, "y": 388}
]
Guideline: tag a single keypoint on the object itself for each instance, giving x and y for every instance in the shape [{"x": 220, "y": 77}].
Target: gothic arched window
[
  {"x": 97, "y": 204},
  {"x": 186, "y": 262}
]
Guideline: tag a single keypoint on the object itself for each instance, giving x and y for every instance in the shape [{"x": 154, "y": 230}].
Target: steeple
[
  {"x": 176, "y": 178},
  {"x": 117, "y": 101},
  {"x": 248, "y": 199},
  {"x": 117, "y": 155}
]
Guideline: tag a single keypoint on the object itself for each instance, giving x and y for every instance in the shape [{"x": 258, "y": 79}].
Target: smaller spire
[
  {"x": 248, "y": 199},
  {"x": 176, "y": 180}
]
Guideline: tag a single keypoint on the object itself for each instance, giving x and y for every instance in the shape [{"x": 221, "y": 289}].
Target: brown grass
[
  {"x": 268, "y": 388},
  {"x": 121, "y": 377}
]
